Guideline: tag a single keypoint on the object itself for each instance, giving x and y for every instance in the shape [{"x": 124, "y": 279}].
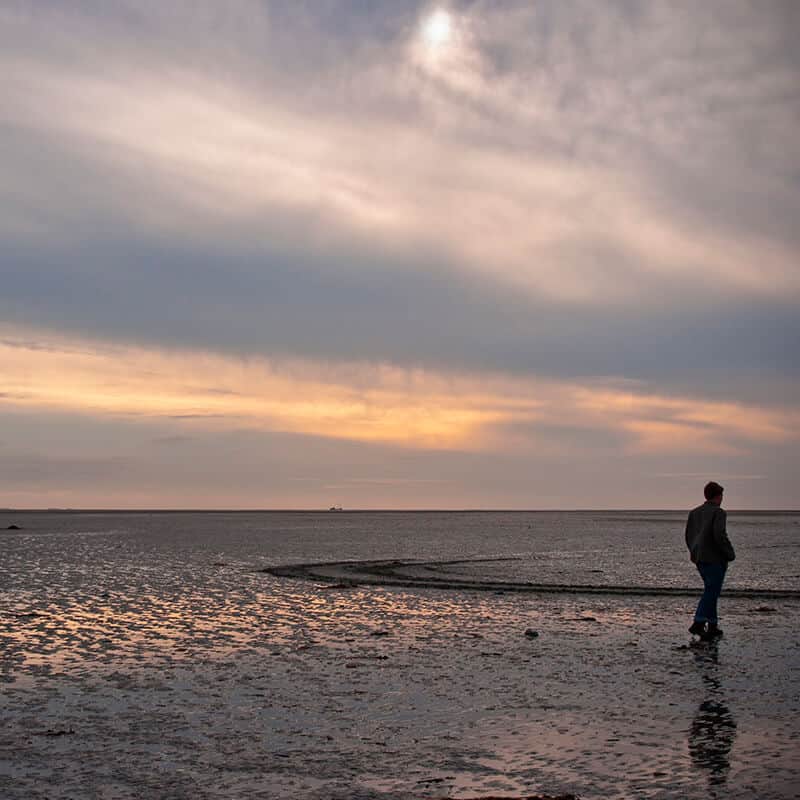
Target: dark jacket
[{"x": 706, "y": 535}]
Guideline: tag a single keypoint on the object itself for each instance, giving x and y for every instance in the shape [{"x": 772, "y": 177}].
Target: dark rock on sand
[
  {"x": 532, "y": 634},
  {"x": 13, "y": 528}
]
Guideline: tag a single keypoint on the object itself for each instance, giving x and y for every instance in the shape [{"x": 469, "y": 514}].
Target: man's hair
[{"x": 712, "y": 489}]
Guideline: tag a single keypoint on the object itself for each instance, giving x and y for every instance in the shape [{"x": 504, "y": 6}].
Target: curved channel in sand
[{"x": 428, "y": 575}]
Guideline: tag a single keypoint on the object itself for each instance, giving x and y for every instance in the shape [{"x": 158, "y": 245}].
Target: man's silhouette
[{"x": 711, "y": 551}]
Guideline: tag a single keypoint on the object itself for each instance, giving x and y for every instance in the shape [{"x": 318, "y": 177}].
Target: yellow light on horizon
[{"x": 418, "y": 409}]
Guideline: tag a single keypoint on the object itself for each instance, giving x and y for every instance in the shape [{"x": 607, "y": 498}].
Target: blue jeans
[{"x": 713, "y": 575}]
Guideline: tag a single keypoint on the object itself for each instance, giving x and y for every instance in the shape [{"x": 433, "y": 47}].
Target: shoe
[
  {"x": 712, "y": 633},
  {"x": 698, "y": 629}
]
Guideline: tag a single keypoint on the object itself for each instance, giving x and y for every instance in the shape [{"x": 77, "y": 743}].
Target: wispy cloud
[
  {"x": 369, "y": 402},
  {"x": 576, "y": 206}
]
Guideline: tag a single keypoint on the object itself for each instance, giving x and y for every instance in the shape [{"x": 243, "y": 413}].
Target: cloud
[
  {"x": 217, "y": 159},
  {"x": 604, "y": 158},
  {"x": 341, "y": 309},
  {"x": 529, "y": 201},
  {"x": 366, "y": 402}
]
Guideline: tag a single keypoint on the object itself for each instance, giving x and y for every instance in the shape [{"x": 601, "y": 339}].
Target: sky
[{"x": 396, "y": 254}]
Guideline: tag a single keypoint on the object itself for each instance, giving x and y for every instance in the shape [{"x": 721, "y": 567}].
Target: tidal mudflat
[{"x": 134, "y": 666}]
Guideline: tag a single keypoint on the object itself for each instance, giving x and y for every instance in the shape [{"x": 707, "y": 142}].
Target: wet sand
[{"x": 223, "y": 681}]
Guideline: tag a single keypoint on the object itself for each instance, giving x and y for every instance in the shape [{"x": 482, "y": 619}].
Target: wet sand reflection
[{"x": 713, "y": 729}]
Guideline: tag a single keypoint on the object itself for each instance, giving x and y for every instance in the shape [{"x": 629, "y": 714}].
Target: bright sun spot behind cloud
[{"x": 437, "y": 28}]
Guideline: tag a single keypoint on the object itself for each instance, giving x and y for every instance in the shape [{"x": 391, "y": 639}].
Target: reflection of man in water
[
  {"x": 713, "y": 728},
  {"x": 711, "y": 738},
  {"x": 711, "y": 550}
]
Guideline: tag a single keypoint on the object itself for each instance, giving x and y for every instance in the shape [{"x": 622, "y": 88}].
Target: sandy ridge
[{"x": 419, "y": 574}]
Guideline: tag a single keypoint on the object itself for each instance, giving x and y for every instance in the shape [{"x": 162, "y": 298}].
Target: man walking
[{"x": 711, "y": 551}]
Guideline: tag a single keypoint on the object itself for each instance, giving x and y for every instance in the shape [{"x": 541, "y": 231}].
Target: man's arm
[{"x": 720, "y": 534}]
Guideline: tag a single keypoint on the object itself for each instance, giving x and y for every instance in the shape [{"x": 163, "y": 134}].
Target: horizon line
[{"x": 340, "y": 510}]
